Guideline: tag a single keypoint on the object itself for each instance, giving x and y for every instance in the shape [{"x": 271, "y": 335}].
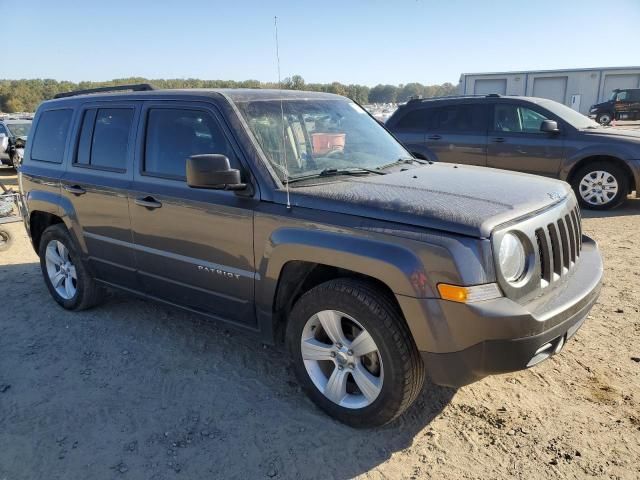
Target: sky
[{"x": 350, "y": 41}]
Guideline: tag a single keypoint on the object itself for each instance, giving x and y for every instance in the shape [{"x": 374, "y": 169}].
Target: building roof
[{"x": 563, "y": 70}]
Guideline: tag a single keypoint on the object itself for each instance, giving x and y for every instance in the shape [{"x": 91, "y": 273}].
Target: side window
[
  {"x": 104, "y": 138},
  {"x": 460, "y": 118},
  {"x": 174, "y": 135},
  {"x": 622, "y": 96},
  {"x": 51, "y": 136},
  {"x": 634, "y": 95},
  {"x": 517, "y": 119},
  {"x": 418, "y": 119}
]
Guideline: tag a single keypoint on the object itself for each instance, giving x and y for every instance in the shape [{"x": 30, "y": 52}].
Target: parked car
[
  {"x": 16, "y": 132},
  {"x": 323, "y": 233},
  {"x": 624, "y": 104},
  {"x": 526, "y": 134}
]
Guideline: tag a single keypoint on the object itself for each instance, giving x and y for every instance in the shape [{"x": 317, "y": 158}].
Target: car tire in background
[
  {"x": 604, "y": 118},
  {"x": 600, "y": 185},
  {"x": 353, "y": 354},
  {"x": 65, "y": 273},
  {"x": 5, "y": 240}
]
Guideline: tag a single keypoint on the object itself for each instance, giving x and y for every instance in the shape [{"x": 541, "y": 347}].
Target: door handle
[
  {"x": 75, "y": 190},
  {"x": 498, "y": 140},
  {"x": 148, "y": 202},
  {"x": 435, "y": 137}
]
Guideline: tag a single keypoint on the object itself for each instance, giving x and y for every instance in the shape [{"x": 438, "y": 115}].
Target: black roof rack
[
  {"x": 421, "y": 99},
  {"x": 138, "y": 87}
]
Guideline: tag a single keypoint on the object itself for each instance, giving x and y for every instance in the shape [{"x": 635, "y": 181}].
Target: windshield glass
[
  {"x": 319, "y": 135},
  {"x": 19, "y": 129},
  {"x": 569, "y": 115}
]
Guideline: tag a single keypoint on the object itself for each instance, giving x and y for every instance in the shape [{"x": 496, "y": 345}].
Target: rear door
[
  {"x": 517, "y": 143},
  {"x": 96, "y": 183},
  {"x": 194, "y": 247},
  {"x": 458, "y": 134}
]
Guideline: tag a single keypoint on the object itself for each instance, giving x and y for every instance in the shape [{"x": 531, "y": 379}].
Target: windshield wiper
[
  {"x": 332, "y": 172},
  {"x": 401, "y": 161}
]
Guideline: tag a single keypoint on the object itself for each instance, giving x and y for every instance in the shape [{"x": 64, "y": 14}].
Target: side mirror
[
  {"x": 4, "y": 142},
  {"x": 20, "y": 142},
  {"x": 214, "y": 172},
  {"x": 549, "y": 126}
]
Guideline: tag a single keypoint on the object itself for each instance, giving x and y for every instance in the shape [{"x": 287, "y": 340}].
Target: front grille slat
[
  {"x": 576, "y": 229},
  {"x": 545, "y": 255},
  {"x": 572, "y": 238},
  {"x": 564, "y": 244},
  {"x": 556, "y": 248}
]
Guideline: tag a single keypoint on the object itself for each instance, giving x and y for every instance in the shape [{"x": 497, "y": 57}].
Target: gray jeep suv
[
  {"x": 296, "y": 217},
  {"x": 526, "y": 134}
]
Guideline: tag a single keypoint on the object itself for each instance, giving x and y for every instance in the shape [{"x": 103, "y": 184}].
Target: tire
[
  {"x": 6, "y": 240},
  {"x": 593, "y": 175},
  {"x": 84, "y": 293},
  {"x": 604, "y": 118},
  {"x": 395, "y": 368}
]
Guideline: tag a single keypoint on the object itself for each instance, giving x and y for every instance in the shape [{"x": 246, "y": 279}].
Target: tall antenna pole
[{"x": 284, "y": 144}]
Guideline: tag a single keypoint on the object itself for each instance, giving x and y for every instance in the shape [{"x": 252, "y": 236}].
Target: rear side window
[
  {"x": 634, "y": 95},
  {"x": 418, "y": 119},
  {"x": 174, "y": 135},
  {"x": 460, "y": 118},
  {"x": 51, "y": 136},
  {"x": 104, "y": 138}
]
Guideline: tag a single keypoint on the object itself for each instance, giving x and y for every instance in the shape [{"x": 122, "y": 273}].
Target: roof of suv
[
  {"x": 235, "y": 94},
  {"x": 481, "y": 98}
]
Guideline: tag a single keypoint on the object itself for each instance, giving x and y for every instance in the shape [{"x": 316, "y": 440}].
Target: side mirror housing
[
  {"x": 214, "y": 172},
  {"x": 549, "y": 126}
]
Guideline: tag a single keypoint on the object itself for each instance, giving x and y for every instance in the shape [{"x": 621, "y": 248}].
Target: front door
[
  {"x": 194, "y": 247},
  {"x": 96, "y": 184},
  {"x": 516, "y": 142}
]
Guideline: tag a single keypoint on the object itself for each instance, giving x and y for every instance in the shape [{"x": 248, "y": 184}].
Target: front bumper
[{"x": 461, "y": 343}]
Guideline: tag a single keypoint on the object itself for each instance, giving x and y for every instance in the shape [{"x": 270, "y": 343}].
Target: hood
[
  {"x": 455, "y": 198},
  {"x": 607, "y": 103},
  {"x": 613, "y": 133}
]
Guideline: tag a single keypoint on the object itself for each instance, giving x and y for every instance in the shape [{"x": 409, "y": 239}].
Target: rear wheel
[
  {"x": 600, "y": 185},
  {"x": 353, "y": 354},
  {"x": 65, "y": 274}
]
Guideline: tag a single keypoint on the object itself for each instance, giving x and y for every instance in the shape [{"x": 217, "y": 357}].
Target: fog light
[{"x": 476, "y": 293}]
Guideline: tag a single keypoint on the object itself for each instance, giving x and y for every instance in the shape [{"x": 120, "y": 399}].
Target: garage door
[
  {"x": 553, "y": 88},
  {"x": 612, "y": 81},
  {"x": 491, "y": 85}
]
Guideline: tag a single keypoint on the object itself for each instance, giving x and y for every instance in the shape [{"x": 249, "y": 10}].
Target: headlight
[{"x": 512, "y": 257}]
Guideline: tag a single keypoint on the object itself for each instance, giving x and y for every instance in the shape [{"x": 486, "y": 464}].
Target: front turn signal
[{"x": 475, "y": 293}]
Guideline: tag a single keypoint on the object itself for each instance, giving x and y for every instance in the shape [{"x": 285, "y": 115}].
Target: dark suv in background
[
  {"x": 525, "y": 134},
  {"x": 624, "y": 104}
]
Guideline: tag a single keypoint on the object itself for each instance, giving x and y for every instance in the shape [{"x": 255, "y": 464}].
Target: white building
[{"x": 578, "y": 88}]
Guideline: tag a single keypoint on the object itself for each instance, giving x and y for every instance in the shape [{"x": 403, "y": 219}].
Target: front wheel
[
  {"x": 600, "y": 185},
  {"x": 353, "y": 354},
  {"x": 604, "y": 118}
]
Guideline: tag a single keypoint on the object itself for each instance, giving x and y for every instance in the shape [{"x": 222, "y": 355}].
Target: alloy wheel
[
  {"x": 61, "y": 270},
  {"x": 342, "y": 359}
]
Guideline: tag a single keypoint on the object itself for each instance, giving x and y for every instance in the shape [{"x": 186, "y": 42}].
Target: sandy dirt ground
[{"x": 133, "y": 389}]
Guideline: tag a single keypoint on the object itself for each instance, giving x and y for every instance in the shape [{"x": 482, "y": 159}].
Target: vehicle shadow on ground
[
  {"x": 136, "y": 383},
  {"x": 630, "y": 207}
]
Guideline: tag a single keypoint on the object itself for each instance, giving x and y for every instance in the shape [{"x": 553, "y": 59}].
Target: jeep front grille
[{"x": 559, "y": 246}]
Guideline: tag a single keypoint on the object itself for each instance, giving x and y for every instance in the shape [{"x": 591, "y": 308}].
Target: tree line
[{"x": 25, "y": 95}]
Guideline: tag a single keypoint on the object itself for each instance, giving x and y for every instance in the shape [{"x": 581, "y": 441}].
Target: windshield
[
  {"x": 319, "y": 135},
  {"x": 19, "y": 129},
  {"x": 569, "y": 115}
]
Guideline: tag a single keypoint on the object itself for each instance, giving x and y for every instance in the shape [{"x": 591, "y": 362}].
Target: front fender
[
  {"x": 617, "y": 151},
  {"x": 399, "y": 268}
]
